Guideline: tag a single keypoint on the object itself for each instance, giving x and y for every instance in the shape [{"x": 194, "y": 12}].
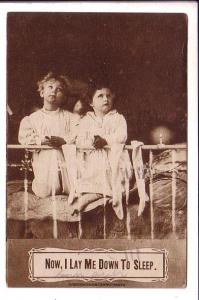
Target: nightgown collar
[
  {"x": 50, "y": 112},
  {"x": 92, "y": 114}
]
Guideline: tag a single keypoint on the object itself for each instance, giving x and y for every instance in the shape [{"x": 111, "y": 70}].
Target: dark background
[{"x": 143, "y": 55}]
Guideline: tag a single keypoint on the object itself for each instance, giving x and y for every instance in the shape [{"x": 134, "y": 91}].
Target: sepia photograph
[{"x": 97, "y": 109}]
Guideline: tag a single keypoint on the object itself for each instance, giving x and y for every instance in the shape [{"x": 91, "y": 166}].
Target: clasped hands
[
  {"x": 56, "y": 142},
  {"x": 53, "y": 141},
  {"x": 99, "y": 142}
]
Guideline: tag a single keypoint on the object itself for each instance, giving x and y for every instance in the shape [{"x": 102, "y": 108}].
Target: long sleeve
[
  {"x": 119, "y": 136},
  {"x": 73, "y": 128},
  {"x": 84, "y": 136},
  {"x": 27, "y": 134}
]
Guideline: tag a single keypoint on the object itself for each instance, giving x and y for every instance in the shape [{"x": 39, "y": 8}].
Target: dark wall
[{"x": 143, "y": 55}]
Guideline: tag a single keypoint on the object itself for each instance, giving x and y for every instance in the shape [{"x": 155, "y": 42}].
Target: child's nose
[{"x": 53, "y": 91}]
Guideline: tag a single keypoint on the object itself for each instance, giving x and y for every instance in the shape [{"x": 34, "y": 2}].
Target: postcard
[{"x": 97, "y": 118}]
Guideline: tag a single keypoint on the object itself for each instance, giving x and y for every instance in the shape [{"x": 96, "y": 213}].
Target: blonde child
[{"x": 51, "y": 126}]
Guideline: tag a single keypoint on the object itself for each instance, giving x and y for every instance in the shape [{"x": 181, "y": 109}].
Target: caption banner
[{"x": 52, "y": 264}]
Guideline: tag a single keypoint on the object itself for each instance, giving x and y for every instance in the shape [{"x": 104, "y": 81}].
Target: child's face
[
  {"x": 53, "y": 92},
  {"x": 102, "y": 101},
  {"x": 78, "y": 107}
]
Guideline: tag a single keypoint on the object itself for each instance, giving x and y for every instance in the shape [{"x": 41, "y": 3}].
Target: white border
[{"x": 188, "y": 7}]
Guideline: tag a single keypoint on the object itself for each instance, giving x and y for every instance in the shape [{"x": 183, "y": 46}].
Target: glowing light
[{"x": 161, "y": 135}]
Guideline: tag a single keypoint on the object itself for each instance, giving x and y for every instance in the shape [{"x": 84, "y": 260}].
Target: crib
[{"x": 165, "y": 171}]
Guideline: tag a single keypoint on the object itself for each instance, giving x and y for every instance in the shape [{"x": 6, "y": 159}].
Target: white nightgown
[
  {"x": 99, "y": 170},
  {"x": 48, "y": 165}
]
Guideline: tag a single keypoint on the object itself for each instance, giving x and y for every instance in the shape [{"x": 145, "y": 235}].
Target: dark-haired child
[{"x": 103, "y": 171}]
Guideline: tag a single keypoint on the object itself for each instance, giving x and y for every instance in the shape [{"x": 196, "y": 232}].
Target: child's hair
[
  {"x": 61, "y": 78},
  {"x": 93, "y": 87},
  {"x": 85, "y": 107}
]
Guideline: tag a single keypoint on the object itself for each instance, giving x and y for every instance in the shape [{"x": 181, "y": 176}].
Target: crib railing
[{"x": 25, "y": 165}]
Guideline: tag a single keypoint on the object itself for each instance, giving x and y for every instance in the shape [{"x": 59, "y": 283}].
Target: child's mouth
[{"x": 52, "y": 97}]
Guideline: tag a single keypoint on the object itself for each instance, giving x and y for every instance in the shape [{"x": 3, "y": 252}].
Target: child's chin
[
  {"x": 107, "y": 109},
  {"x": 54, "y": 101}
]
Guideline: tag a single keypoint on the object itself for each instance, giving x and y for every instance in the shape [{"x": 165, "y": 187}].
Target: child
[
  {"x": 51, "y": 126},
  {"x": 80, "y": 108},
  {"x": 102, "y": 171}
]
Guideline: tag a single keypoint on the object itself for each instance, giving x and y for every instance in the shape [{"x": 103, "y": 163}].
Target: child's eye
[
  {"x": 50, "y": 86},
  {"x": 59, "y": 90}
]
